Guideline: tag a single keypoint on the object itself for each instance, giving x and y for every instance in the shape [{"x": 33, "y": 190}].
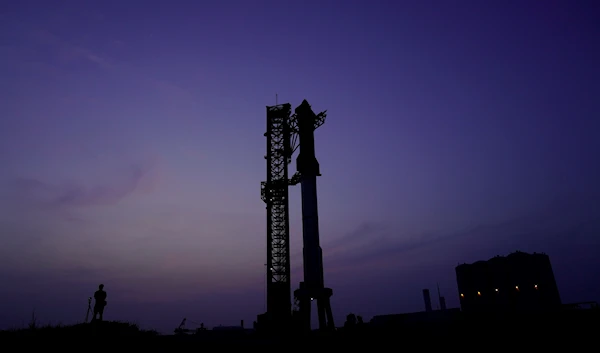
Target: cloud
[
  {"x": 118, "y": 43},
  {"x": 365, "y": 242},
  {"x": 364, "y": 232},
  {"x": 66, "y": 52},
  {"x": 51, "y": 54},
  {"x": 173, "y": 95},
  {"x": 44, "y": 195},
  {"x": 558, "y": 226}
]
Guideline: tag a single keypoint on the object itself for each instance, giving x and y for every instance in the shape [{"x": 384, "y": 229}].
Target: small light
[
  {"x": 496, "y": 289},
  {"x": 517, "y": 287},
  {"x": 462, "y": 295},
  {"x": 478, "y": 293},
  {"x": 535, "y": 286},
  {"x": 311, "y": 299}
]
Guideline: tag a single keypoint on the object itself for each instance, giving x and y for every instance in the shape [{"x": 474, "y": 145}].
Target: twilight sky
[{"x": 131, "y": 150}]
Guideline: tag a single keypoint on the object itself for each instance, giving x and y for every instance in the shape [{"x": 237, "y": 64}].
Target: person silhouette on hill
[{"x": 100, "y": 297}]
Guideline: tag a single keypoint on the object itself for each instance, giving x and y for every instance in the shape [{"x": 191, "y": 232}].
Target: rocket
[{"x": 308, "y": 167}]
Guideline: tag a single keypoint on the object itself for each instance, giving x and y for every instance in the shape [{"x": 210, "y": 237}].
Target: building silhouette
[
  {"x": 427, "y": 299},
  {"x": 517, "y": 282}
]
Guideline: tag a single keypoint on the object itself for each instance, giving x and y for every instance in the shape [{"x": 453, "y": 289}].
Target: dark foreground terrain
[{"x": 570, "y": 330}]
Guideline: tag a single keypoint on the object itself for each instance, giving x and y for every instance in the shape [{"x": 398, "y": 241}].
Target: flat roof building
[{"x": 517, "y": 282}]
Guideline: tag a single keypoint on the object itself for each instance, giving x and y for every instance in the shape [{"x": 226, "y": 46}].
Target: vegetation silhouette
[{"x": 95, "y": 329}]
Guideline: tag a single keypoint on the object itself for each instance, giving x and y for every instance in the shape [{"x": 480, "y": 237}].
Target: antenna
[
  {"x": 440, "y": 306},
  {"x": 442, "y": 299}
]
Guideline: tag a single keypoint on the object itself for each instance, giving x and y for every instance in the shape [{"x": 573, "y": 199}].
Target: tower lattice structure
[{"x": 281, "y": 143}]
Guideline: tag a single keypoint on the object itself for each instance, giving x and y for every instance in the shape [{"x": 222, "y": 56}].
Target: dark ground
[{"x": 557, "y": 331}]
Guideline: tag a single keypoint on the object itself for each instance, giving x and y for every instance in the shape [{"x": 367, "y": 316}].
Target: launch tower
[
  {"x": 285, "y": 133},
  {"x": 274, "y": 193}
]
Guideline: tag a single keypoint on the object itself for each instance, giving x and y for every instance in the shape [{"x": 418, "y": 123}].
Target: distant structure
[
  {"x": 427, "y": 299},
  {"x": 441, "y": 299},
  {"x": 427, "y": 316},
  {"x": 517, "y": 282}
]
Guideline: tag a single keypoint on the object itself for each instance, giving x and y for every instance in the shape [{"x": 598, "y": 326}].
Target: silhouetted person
[{"x": 100, "y": 297}]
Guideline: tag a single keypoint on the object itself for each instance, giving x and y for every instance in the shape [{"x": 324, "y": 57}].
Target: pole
[{"x": 87, "y": 315}]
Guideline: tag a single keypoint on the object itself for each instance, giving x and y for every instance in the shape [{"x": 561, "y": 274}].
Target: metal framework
[{"x": 281, "y": 143}]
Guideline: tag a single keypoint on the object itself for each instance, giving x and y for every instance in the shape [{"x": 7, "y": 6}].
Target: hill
[{"x": 99, "y": 329}]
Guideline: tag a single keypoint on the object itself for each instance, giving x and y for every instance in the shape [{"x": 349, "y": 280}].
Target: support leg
[
  {"x": 321, "y": 309},
  {"x": 330, "y": 323}
]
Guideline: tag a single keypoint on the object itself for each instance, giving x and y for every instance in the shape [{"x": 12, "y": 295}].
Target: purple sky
[{"x": 131, "y": 150}]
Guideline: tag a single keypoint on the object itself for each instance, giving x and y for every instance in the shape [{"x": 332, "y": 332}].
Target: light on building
[
  {"x": 517, "y": 287},
  {"x": 478, "y": 293},
  {"x": 535, "y": 286},
  {"x": 462, "y": 295},
  {"x": 496, "y": 289}
]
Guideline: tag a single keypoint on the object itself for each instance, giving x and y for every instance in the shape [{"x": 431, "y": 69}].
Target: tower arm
[
  {"x": 294, "y": 140},
  {"x": 320, "y": 119},
  {"x": 296, "y": 178},
  {"x": 263, "y": 191}
]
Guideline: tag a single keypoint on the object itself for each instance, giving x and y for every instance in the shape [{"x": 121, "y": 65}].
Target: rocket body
[{"x": 308, "y": 166}]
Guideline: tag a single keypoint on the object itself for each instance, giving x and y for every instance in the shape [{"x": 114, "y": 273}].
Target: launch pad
[{"x": 286, "y": 132}]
